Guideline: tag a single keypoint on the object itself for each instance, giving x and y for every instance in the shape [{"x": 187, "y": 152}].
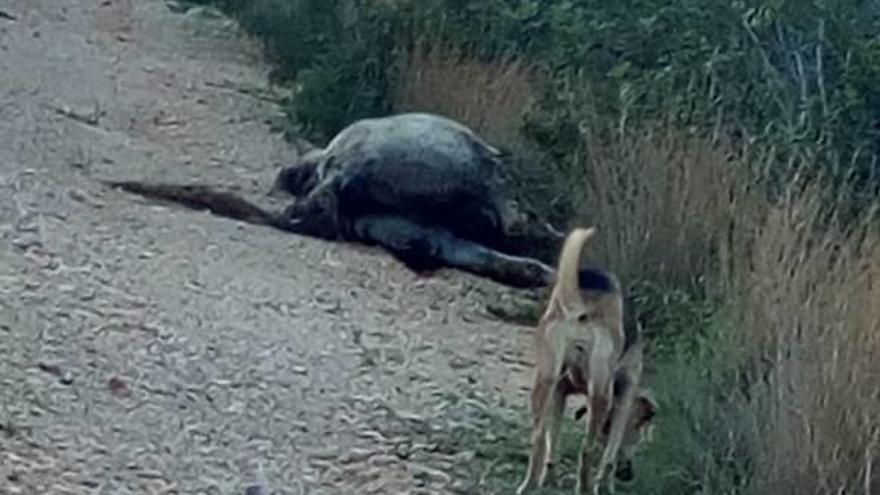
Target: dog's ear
[{"x": 644, "y": 409}]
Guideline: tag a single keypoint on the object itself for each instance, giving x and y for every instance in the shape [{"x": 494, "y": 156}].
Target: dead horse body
[{"x": 421, "y": 186}]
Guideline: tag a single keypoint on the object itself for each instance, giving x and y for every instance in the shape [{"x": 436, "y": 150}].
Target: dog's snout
[{"x": 624, "y": 471}]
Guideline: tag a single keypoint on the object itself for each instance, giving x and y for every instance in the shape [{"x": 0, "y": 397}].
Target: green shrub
[
  {"x": 799, "y": 78},
  {"x": 337, "y": 56}
]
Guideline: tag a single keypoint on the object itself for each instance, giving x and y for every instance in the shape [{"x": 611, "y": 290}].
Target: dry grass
[
  {"x": 667, "y": 198},
  {"x": 808, "y": 309},
  {"x": 802, "y": 291},
  {"x": 489, "y": 97}
]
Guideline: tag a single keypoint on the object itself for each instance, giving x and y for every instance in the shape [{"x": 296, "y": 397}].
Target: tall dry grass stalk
[
  {"x": 809, "y": 309},
  {"x": 489, "y": 97},
  {"x": 802, "y": 292},
  {"x": 667, "y": 200}
]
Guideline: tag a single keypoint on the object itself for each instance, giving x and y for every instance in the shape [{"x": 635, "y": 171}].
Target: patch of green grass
[
  {"x": 703, "y": 436},
  {"x": 500, "y": 442}
]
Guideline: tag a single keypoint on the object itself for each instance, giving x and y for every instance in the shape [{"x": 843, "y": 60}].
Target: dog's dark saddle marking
[
  {"x": 597, "y": 280},
  {"x": 594, "y": 279}
]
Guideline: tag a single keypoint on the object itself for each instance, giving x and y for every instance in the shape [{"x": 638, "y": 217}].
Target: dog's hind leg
[
  {"x": 548, "y": 403},
  {"x": 598, "y": 413},
  {"x": 555, "y": 406},
  {"x": 541, "y": 399},
  {"x": 626, "y": 376},
  {"x": 600, "y": 393},
  {"x": 617, "y": 424}
]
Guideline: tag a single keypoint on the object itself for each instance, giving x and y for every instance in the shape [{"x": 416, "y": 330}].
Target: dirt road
[{"x": 149, "y": 349}]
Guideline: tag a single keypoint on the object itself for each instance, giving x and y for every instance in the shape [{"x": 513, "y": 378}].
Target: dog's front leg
[
  {"x": 602, "y": 405},
  {"x": 619, "y": 416}
]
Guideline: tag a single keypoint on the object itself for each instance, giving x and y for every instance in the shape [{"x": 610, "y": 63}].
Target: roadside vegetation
[{"x": 727, "y": 150}]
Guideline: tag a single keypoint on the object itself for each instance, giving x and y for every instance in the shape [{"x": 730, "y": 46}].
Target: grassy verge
[
  {"x": 720, "y": 147},
  {"x": 760, "y": 313},
  {"x": 701, "y": 441}
]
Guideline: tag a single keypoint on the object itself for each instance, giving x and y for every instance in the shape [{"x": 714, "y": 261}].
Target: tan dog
[{"x": 579, "y": 346}]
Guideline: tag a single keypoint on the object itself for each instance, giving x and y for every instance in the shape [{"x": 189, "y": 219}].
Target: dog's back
[
  {"x": 593, "y": 294},
  {"x": 598, "y": 281}
]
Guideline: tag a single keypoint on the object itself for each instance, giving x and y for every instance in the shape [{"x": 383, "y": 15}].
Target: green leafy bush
[
  {"x": 336, "y": 54},
  {"x": 797, "y": 77}
]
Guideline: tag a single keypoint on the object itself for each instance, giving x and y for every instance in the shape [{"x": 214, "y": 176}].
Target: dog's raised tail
[
  {"x": 201, "y": 197},
  {"x": 567, "y": 274}
]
